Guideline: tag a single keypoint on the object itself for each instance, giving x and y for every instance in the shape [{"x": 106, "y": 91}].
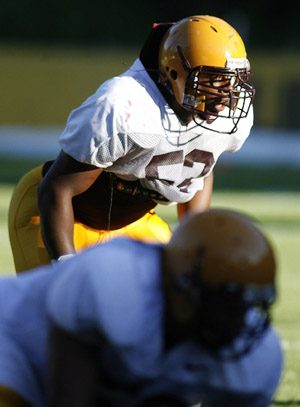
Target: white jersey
[{"x": 128, "y": 128}]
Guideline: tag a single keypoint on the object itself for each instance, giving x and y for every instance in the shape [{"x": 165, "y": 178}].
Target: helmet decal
[{"x": 238, "y": 63}]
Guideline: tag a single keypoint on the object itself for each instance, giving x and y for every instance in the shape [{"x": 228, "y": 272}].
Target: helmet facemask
[
  {"x": 223, "y": 313},
  {"x": 212, "y": 93},
  {"x": 222, "y": 308}
]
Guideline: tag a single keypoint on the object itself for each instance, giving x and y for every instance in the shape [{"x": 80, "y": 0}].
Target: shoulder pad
[{"x": 145, "y": 140}]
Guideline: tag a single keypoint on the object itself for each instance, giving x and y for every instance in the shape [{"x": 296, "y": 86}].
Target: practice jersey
[
  {"x": 128, "y": 128},
  {"x": 121, "y": 297}
]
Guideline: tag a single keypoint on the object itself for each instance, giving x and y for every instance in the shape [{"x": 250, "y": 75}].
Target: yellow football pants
[{"x": 26, "y": 241}]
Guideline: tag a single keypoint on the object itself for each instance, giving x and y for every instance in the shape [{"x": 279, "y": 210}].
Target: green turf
[
  {"x": 6, "y": 262},
  {"x": 251, "y": 178},
  {"x": 278, "y": 213}
]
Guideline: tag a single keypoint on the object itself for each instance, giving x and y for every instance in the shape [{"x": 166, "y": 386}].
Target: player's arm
[
  {"x": 65, "y": 179},
  {"x": 200, "y": 202}
]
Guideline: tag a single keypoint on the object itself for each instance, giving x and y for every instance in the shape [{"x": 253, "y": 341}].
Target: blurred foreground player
[
  {"x": 135, "y": 324},
  {"x": 151, "y": 135}
]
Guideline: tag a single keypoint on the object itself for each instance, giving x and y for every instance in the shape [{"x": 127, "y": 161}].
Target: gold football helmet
[
  {"x": 203, "y": 64},
  {"x": 232, "y": 248}
]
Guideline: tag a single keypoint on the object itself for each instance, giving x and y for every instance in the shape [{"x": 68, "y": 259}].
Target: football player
[
  {"x": 149, "y": 136},
  {"x": 137, "y": 324}
]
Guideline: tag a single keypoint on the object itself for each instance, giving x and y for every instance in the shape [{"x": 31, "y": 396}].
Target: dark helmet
[{"x": 232, "y": 269}]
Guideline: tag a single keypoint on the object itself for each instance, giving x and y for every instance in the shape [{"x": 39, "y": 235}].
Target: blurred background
[
  {"x": 53, "y": 54},
  {"x": 34, "y": 30}
]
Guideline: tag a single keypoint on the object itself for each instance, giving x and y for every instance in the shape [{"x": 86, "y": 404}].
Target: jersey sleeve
[
  {"x": 96, "y": 132},
  {"x": 247, "y": 379},
  {"x": 101, "y": 289},
  {"x": 81, "y": 295},
  {"x": 253, "y": 379},
  {"x": 242, "y": 133}
]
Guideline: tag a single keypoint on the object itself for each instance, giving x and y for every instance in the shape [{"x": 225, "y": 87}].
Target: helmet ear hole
[{"x": 173, "y": 74}]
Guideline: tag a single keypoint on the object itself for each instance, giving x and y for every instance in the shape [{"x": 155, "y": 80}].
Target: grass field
[{"x": 279, "y": 215}]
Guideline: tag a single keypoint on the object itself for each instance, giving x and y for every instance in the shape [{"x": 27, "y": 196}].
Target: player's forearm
[
  {"x": 200, "y": 202},
  {"x": 57, "y": 224},
  {"x": 58, "y": 238}
]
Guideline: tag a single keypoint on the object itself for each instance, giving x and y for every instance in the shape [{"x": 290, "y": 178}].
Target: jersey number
[{"x": 177, "y": 157}]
